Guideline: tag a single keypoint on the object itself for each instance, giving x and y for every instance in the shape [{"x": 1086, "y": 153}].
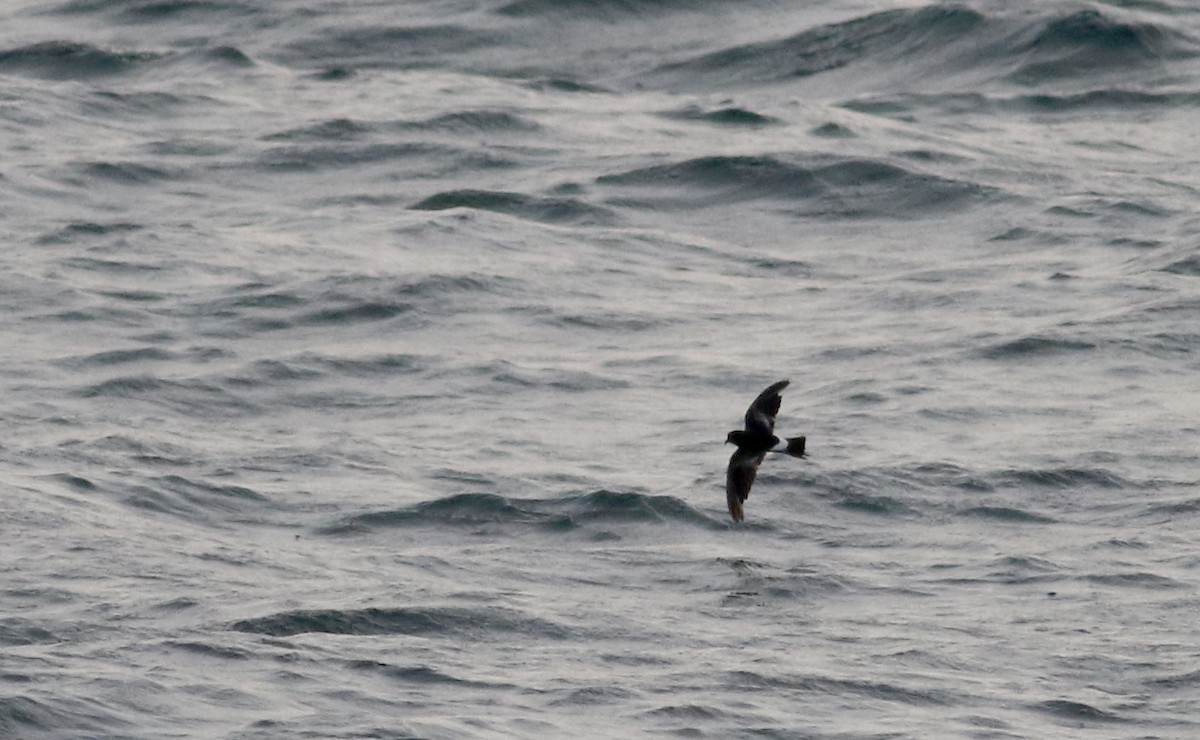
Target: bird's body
[{"x": 753, "y": 444}]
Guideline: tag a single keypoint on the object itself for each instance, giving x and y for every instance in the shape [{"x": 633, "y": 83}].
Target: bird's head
[{"x": 733, "y": 437}]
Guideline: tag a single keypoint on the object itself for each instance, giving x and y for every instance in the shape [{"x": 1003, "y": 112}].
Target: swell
[
  {"x": 478, "y": 623},
  {"x": 944, "y": 43},
  {"x": 586, "y": 510},
  {"x": 826, "y": 187}
]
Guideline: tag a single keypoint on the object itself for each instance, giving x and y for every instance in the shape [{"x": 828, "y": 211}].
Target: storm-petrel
[{"x": 753, "y": 444}]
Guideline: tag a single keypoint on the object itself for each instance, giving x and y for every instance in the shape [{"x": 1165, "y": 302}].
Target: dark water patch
[
  {"x": 192, "y": 397},
  {"x": 356, "y": 312},
  {"x": 477, "y": 121},
  {"x": 272, "y": 374},
  {"x": 624, "y": 506},
  {"x": 1006, "y": 514},
  {"x": 902, "y": 105},
  {"x": 1035, "y": 347},
  {"x": 272, "y": 299},
  {"x": 873, "y": 189},
  {"x": 475, "y": 510},
  {"x": 888, "y": 35},
  {"x": 209, "y": 650},
  {"x": 1108, "y": 100},
  {"x": 67, "y": 60},
  {"x": 1089, "y": 43},
  {"x": 387, "y": 47},
  {"x": 736, "y": 177},
  {"x": 336, "y": 129},
  {"x": 685, "y": 712},
  {"x": 758, "y": 583},
  {"x": 183, "y": 10},
  {"x": 177, "y": 605},
  {"x": 1140, "y": 580},
  {"x": 553, "y": 210},
  {"x": 507, "y": 374},
  {"x": 1189, "y": 266},
  {"x": 230, "y": 56},
  {"x": 610, "y": 10},
  {"x": 125, "y": 173},
  {"x": 297, "y": 158},
  {"x": 139, "y": 450},
  {"x": 564, "y": 85},
  {"x": 14, "y": 631},
  {"x": 119, "y": 357},
  {"x": 334, "y": 74},
  {"x": 369, "y": 367},
  {"x": 846, "y": 188},
  {"x": 25, "y": 717},
  {"x": 421, "y": 674},
  {"x": 154, "y": 104},
  {"x": 1022, "y": 234},
  {"x": 1075, "y": 711},
  {"x": 477, "y": 623},
  {"x": 609, "y": 321},
  {"x": 1189, "y": 681},
  {"x": 1061, "y": 478},
  {"x": 721, "y": 116},
  {"x": 196, "y": 501},
  {"x": 1015, "y": 569},
  {"x": 878, "y": 505},
  {"x": 824, "y": 685},
  {"x": 1181, "y": 508},
  {"x": 464, "y": 509},
  {"x": 348, "y": 300},
  {"x": 74, "y": 482},
  {"x": 134, "y": 296},
  {"x": 593, "y": 696},
  {"x": 832, "y": 130},
  {"x": 79, "y": 231}
]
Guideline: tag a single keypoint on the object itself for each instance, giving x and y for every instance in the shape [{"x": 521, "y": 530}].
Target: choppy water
[{"x": 367, "y": 366}]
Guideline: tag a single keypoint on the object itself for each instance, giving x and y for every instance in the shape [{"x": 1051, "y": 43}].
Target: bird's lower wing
[{"x": 738, "y": 479}]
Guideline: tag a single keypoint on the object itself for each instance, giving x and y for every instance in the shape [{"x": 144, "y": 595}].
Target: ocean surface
[{"x": 367, "y": 367}]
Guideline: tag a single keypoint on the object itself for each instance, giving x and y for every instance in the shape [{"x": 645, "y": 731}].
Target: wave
[
  {"x": 475, "y": 622},
  {"x": 125, "y": 173},
  {"x": 889, "y": 34},
  {"x": 1087, "y": 43},
  {"x": 400, "y": 47},
  {"x": 1065, "y": 477},
  {"x": 943, "y": 44},
  {"x": 611, "y": 10},
  {"x": 840, "y": 188},
  {"x": 722, "y": 116},
  {"x": 1077, "y": 712},
  {"x": 193, "y": 500},
  {"x": 300, "y": 158},
  {"x": 554, "y": 515},
  {"x": 344, "y": 300},
  {"x": 72, "y": 60},
  {"x": 477, "y": 121},
  {"x": 419, "y": 674},
  {"x": 554, "y": 210},
  {"x": 26, "y": 717},
  {"x": 746, "y": 680},
  {"x": 1037, "y": 346},
  {"x": 192, "y": 397}
]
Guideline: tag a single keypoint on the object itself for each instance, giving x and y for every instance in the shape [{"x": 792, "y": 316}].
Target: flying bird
[{"x": 753, "y": 444}]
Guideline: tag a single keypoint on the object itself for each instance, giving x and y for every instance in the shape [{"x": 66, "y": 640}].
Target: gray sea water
[{"x": 367, "y": 366}]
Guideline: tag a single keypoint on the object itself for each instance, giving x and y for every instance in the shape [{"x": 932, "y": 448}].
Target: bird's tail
[{"x": 795, "y": 446}]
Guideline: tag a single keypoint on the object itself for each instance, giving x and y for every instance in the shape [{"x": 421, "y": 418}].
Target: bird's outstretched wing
[
  {"x": 743, "y": 466},
  {"x": 760, "y": 417}
]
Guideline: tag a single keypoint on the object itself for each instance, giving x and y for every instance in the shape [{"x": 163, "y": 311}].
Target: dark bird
[{"x": 753, "y": 444}]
